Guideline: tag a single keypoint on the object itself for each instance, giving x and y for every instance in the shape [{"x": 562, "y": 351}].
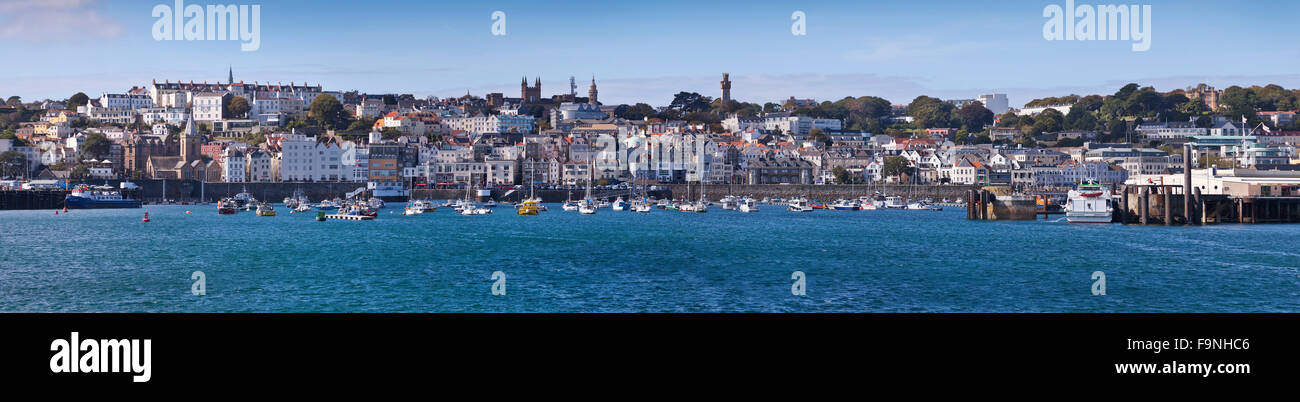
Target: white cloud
[{"x": 54, "y": 20}]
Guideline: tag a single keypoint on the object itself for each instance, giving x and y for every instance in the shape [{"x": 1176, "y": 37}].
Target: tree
[
  {"x": 389, "y": 133},
  {"x": 326, "y": 111},
  {"x": 238, "y": 107},
  {"x": 79, "y": 172},
  {"x": 688, "y": 102},
  {"x": 96, "y": 146},
  {"x": 817, "y": 135},
  {"x": 635, "y": 112},
  {"x": 78, "y": 99},
  {"x": 974, "y": 116},
  {"x": 842, "y": 175},
  {"x": 390, "y": 100},
  {"x": 14, "y": 101},
  {"x": 930, "y": 112},
  {"x": 12, "y": 163},
  {"x": 894, "y": 166}
]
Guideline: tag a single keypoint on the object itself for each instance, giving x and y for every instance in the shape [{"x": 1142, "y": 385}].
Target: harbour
[{"x": 663, "y": 261}]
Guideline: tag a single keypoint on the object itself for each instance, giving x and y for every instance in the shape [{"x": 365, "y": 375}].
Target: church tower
[
  {"x": 231, "y": 78},
  {"x": 726, "y": 88},
  {"x": 191, "y": 142},
  {"x": 591, "y": 93}
]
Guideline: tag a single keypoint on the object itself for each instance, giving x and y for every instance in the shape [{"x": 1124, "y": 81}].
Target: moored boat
[
  {"x": 1089, "y": 203},
  {"x": 84, "y": 197}
]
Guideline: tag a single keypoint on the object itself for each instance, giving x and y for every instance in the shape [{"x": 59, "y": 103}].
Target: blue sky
[{"x": 645, "y": 51}]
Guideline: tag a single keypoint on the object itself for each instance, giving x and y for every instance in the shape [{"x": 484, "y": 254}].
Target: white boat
[
  {"x": 867, "y": 204},
  {"x": 894, "y": 202},
  {"x": 799, "y": 204},
  {"x": 587, "y": 207},
  {"x": 1089, "y": 203},
  {"x": 747, "y": 205},
  {"x": 846, "y": 205},
  {"x": 375, "y": 203},
  {"x": 619, "y": 205},
  {"x": 602, "y": 204},
  {"x": 640, "y": 205},
  {"x": 570, "y": 206},
  {"x": 730, "y": 203},
  {"x": 416, "y": 208}
]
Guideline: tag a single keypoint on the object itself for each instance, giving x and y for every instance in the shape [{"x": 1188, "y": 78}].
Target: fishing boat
[
  {"x": 244, "y": 199},
  {"x": 747, "y": 205},
  {"x": 301, "y": 207},
  {"x": 227, "y": 206},
  {"x": 327, "y": 205},
  {"x": 85, "y": 197},
  {"x": 265, "y": 209},
  {"x": 1089, "y": 203},
  {"x": 530, "y": 206},
  {"x": 799, "y": 204},
  {"x": 894, "y": 202},
  {"x": 640, "y": 205},
  {"x": 376, "y": 202},
  {"x": 846, "y": 205},
  {"x": 415, "y": 208}
]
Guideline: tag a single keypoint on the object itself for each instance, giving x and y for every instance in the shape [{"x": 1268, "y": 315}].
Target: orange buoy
[
  {"x": 187, "y": 212},
  {"x": 146, "y": 217}
]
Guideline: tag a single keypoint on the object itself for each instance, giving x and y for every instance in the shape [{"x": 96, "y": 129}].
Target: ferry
[
  {"x": 1089, "y": 203},
  {"x": 84, "y": 197}
]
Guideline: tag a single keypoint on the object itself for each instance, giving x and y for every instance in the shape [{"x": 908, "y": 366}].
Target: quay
[{"x": 1190, "y": 197}]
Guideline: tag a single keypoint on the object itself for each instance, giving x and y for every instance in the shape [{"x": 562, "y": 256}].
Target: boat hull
[{"x": 75, "y": 202}]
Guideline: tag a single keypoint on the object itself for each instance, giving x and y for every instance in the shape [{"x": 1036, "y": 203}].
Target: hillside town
[{"x": 237, "y": 131}]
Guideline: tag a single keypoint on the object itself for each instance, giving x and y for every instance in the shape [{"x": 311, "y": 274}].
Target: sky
[{"x": 646, "y": 51}]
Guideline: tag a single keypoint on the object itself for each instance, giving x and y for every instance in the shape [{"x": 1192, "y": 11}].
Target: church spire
[{"x": 231, "y": 78}]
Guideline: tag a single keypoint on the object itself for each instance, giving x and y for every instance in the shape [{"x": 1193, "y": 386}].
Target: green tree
[
  {"x": 238, "y": 107},
  {"x": 895, "y": 166},
  {"x": 688, "y": 102},
  {"x": 97, "y": 146},
  {"x": 842, "y": 175},
  {"x": 12, "y": 164},
  {"x": 326, "y": 111},
  {"x": 389, "y": 133},
  {"x": 77, "y": 99},
  {"x": 974, "y": 116},
  {"x": 390, "y": 99}
]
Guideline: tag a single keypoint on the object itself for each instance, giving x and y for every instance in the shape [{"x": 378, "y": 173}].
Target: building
[
  {"x": 234, "y": 167},
  {"x": 534, "y": 93},
  {"x": 780, "y": 171},
  {"x": 208, "y": 106},
  {"x": 128, "y": 101},
  {"x": 726, "y": 88},
  {"x": 996, "y": 103}
]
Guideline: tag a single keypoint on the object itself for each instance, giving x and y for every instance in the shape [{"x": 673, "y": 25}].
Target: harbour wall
[{"x": 825, "y": 193}]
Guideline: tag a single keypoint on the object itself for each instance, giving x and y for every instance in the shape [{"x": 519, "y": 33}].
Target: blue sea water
[{"x": 664, "y": 261}]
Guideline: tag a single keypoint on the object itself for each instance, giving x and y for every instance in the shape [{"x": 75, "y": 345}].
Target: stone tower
[
  {"x": 530, "y": 94},
  {"x": 191, "y": 142},
  {"x": 591, "y": 93},
  {"x": 726, "y": 88}
]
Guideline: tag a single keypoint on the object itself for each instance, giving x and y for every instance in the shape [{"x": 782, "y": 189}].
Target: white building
[
  {"x": 209, "y": 105},
  {"x": 260, "y": 166},
  {"x": 233, "y": 166},
  {"x": 125, "y": 101},
  {"x": 996, "y": 103},
  {"x": 302, "y": 158}
]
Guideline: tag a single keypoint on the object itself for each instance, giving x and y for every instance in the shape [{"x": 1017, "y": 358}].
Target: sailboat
[
  {"x": 588, "y": 206},
  {"x": 468, "y": 207},
  {"x": 703, "y": 204},
  {"x": 530, "y": 206}
]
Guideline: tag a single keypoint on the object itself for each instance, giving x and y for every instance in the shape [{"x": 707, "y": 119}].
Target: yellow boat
[
  {"x": 529, "y": 207},
  {"x": 265, "y": 210}
]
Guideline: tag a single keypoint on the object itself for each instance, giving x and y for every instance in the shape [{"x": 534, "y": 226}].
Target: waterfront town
[{"x": 236, "y": 131}]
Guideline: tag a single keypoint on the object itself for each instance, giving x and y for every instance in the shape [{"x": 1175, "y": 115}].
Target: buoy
[
  {"x": 187, "y": 212},
  {"x": 65, "y": 210},
  {"x": 146, "y": 217},
  {"x": 56, "y": 212}
]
